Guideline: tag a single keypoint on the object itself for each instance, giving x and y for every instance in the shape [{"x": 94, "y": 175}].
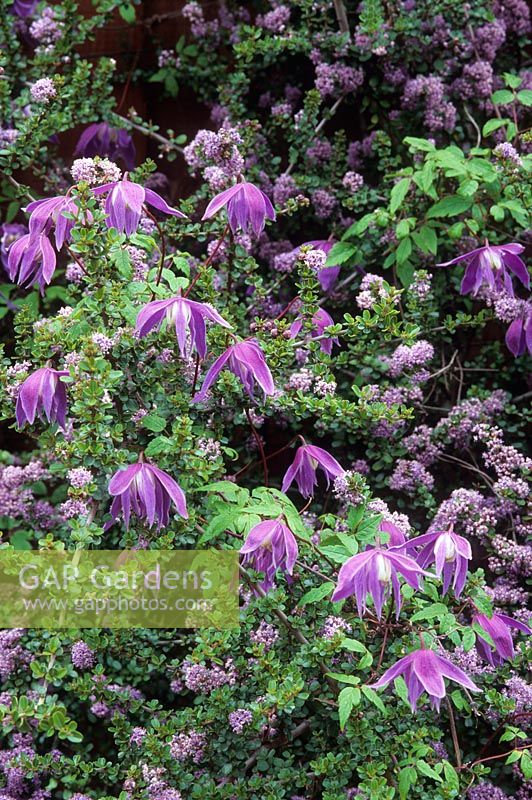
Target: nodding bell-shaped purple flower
[
  {"x": 498, "y": 628},
  {"x": 320, "y": 321},
  {"x": 49, "y": 213},
  {"x": 9, "y": 233},
  {"x": 23, "y": 8},
  {"x": 327, "y": 276},
  {"x": 396, "y": 537},
  {"x": 148, "y": 492},
  {"x": 246, "y": 361},
  {"x": 125, "y": 201},
  {"x": 491, "y": 266},
  {"x": 42, "y": 394},
  {"x": 519, "y": 334},
  {"x": 303, "y": 469},
  {"x": 449, "y": 552},
  {"x": 100, "y": 139},
  {"x": 424, "y": 670},
  {"x": 270, "y": 546},
  {"x": 31, "y": 259},
  {"x": 375, "y": 572},
  {"x": 247, "y": 208},
  {"x": 188, "y": 318}
]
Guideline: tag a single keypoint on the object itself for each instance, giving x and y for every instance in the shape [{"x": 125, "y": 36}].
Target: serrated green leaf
[
  {"x": 426, "y": 239},
  {"x": 449, "y": 207},
  {"x": 525, "y": 97},
  {"x": 427, "y": 770},
  {"x": 430, "y": 612},
  {"x": 317, "y": 594},
  {"x": 347, "y": 700},
  {"x": 419, "y": 144},
  {"x": 374, "y": 698},
  {"x": 502, "y": 97},
  {"x": 340, "y": 253},
  {"x": 493, "y": 125},
  {"x": 398, "y": 194},
  {"x": 407, "y": 777},
  {"x": 153, "y": 423},
  {"x": 403, "y": 251}
]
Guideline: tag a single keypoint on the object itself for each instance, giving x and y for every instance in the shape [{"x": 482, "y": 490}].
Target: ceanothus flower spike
[
  {"x": 187, "y": 316},
  {"x": 304, "y": 466},
  {"x": 491, "y": 266},
  {"x": 247, "y": 208},
  {"x": 42, "y": 394},
  {"x": 148, "y": 492},
  {"x": 125, "y": 201},
  {"x": 424, "y": 670},
  {"x": 270, "y": 546},
  {"x": 375, "y": 572},
  {"x": 246, "y": 361}
]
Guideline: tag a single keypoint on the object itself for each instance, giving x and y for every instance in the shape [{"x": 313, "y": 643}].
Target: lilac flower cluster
[
  {"x": 202, "y": 679},
  {"x": 240, "y": 719},
  {"x": 265, "y": 635},
  {"x": 188, "y": 746},
  {"x": 216, "y": 155}
]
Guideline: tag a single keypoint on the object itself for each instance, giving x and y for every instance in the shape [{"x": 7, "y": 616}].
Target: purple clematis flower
[
  {"x": 247, "y": 208},
  {"x": 449, "y": 552},
  {"x": 9, "y": 233},
  {"x": 187, "y": 316},
  {"x": 125, "y": 201},
  {"x": 498, "y": 627},
  {"x": 320, "y": 321},
  {"x": 31, "y": 259},
  {"x": 42, "y": 394},
  {"x": 374, "y": 572},
  {"x": 148, "y": 492},
  {"x": 396, "y": 537},
  {"x": 100, "y": 139},
  {"x": 50, "y": 212},
  {"x": 327, "y": 276},
  {"x": 519, "y": 334},
  {"x": 304, "y": 466},
  {"x": 270, "y": 546},
  {"x": 489, "y": 266},
  {"x": 424, "y": 670},
  {"x": 246, "y": 360},
  {"x": 23, "y": 8}
]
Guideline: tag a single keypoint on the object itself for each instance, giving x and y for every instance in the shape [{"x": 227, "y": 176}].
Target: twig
[
  {"x": 168, "y": 143},
  {"x": 341, "y": 16},
  {"x": 454, "y": 734},
  {"x": 208, "y": 261},
  {"x": 473, "y": 122}
]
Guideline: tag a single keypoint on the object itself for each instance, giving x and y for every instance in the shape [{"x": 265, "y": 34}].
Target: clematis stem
[
  {"x": 454, "y": 734},
  {"x": 256, "y": 434},
  {"x": 208, "y": 261},
  {"x": 196, "y": 373},
  {"x": 163, "y": 249},
  {"x": 385, "y": 637}
]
